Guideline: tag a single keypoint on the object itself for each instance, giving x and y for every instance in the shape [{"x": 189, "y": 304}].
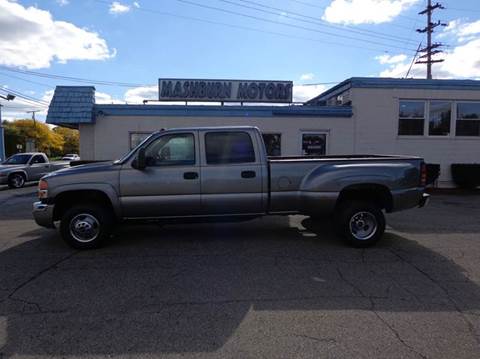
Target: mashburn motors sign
[{"x": 224, "y": 90}]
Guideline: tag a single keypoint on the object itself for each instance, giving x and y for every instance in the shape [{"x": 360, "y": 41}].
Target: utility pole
[
  {"x": 9, "y": 97},
  {"x": 430, "y": 49},
  {"x": 34, "y": 129}
]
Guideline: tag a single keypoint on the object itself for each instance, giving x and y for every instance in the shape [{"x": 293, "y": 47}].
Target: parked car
[
  {"x": 71, "y": 157},
  {"x": 25, "y": 167},
  {"x": 198, "y": 174}
]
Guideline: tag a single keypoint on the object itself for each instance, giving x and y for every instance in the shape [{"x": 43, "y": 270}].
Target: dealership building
[{"x": 435, "y": 119}]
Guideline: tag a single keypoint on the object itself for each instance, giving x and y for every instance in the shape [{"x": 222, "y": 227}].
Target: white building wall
[
  {"x": 109, "y": 137},
  {"x": 376, "y": 128},
  {"x": 87, "y": 141}
]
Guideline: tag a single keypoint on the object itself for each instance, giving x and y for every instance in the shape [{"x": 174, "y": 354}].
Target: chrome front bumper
[
  {"x": 43, "y": 214},
  {"x": 424, "y": 200}
]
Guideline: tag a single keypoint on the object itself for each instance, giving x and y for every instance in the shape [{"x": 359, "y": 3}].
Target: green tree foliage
[
  {"x": 70, "y": 137},
  {"x": 54, "y": 142}
]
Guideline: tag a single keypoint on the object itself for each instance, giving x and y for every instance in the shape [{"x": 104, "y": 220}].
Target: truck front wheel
[
  {"x": 86, "y": 226},
  {"x": 362, "y": 224}
]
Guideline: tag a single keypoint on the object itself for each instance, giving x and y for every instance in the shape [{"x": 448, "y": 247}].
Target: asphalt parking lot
[{"x": 279, "y": 287}]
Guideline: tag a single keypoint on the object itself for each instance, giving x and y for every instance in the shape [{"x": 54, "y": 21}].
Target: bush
[
  {"x": 466, "y": 175},
  {"x": 433, "y": 172}
]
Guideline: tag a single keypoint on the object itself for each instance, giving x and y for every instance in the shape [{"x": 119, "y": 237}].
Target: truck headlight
[{"x": 42, "y": 189}]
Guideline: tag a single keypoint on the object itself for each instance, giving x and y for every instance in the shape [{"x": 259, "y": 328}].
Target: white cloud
[
  {"x": 138, "y": 94},
  {"x": 136, "y": 4},
  {"x": 118, "y": 8},
  {"x": 365, "y": 11},
  {"x": 461, "y": 31},
  {"x": 462, "y": 60},
  {"x": 303, "y": 93},
  {"x": 63, "y": 2},
  {"x": 388, "y": 59},
  {"x": 32, "y": 39},
  {"x": 102, "y": 97},
  {"x": 307, "y": 76}
]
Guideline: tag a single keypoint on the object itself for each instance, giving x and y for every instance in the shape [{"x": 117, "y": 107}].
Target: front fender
[{"x": 106, "y": 188}]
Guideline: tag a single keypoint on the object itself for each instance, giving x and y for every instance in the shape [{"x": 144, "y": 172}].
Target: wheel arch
[
  {"x": 369, "y": 192},
  {"x": 66, "y": 199}
]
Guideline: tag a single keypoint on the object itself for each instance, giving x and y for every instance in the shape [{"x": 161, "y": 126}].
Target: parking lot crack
[
  {"x": 452, "y": 301},
  {"x": 373, "y": 310},
  {"x": 395, "y": 332},
  {"x": 39, "y": 274}
]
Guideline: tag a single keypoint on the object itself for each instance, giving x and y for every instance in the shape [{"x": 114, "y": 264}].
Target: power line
[
  {"x": 22, "y": 79},
  {"x": 241, "y": 27},
  {"x": 286, "y": 24},
  {"x": 73, "y": 79},
  {"x": 315, "y": 21},
  {"x": 25, "y": 98}
]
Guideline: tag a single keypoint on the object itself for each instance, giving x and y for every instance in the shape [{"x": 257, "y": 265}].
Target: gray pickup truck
[
  {"x": 218, "y": 173},
  {"x": 20, "y": 168}
]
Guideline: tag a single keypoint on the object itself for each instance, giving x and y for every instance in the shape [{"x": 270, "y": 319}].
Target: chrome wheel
[
  {"x": 84, "y": 227},
  {"x": 363, "y": 225},
  {"x": 17, "y": 181}
]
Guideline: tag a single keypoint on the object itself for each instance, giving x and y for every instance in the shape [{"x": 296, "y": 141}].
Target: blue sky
[{"x": 140, "y": 41}]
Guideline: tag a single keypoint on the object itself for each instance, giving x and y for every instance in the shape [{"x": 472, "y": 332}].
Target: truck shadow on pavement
[{"x": 182, "y": 289}]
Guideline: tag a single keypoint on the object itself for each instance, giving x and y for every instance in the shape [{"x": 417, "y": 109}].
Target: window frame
[
  {"x": 130, "y": 133},
  {"x": 314, "y": 132},
  {"x": 195, "y": 157},
  {"x": 37, "y": 163},
  {"x": 427, "y": 118},
  {"x": 253, "y": 141},
  {"x": 456, "y": 117},
  {"x": 426, "y": 110},
  {"x": 273, "y": 133}
]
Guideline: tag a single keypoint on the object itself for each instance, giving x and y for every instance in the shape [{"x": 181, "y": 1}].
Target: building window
[
  {"x": 137, "y": 137},
  {"x": 168, "y": 150},
  {"x": 229, "y": 147},
  {"x": 314, "y": 144},
  {"x": 273, "y": 143},
  {"x": 468, "y": 119},
  {"x": 439, "y": 118},
  {"x": 411, "y": 118}
]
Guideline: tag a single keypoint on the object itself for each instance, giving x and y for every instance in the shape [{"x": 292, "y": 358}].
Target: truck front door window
[{"x": 176, "y": 149}]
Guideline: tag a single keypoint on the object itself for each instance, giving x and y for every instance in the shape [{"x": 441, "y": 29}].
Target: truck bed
[
  {"x": 297, "y": 181},
  {"x": 340, "y": 157}
]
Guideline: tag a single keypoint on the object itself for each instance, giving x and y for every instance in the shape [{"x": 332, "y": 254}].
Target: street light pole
[
  {"x": 34, "y": 129},
  {"x": 2, "y": 136}
]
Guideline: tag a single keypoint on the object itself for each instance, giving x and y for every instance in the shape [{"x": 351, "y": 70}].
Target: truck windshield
[{"x": 17, "y": 160}]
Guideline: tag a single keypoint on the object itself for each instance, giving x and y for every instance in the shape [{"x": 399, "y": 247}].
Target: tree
[
  {"x": 70, "y": 138},
  {"x": 20, "y": 131}
]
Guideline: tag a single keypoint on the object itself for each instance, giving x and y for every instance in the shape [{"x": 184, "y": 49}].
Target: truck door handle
[
  {"x": 190, "y": 175},
  {"x": 248, "y": 174}
]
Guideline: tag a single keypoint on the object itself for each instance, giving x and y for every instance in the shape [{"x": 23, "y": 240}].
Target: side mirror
[{"x": 139, "y": 162}]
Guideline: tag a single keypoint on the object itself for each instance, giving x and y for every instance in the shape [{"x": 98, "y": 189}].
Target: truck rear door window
[{"x": 229, "y": 147}]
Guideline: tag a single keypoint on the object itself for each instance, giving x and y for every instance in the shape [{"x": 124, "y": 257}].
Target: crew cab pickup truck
[
  {"x": 24, "y": 167},
  {"x": 198, "y": 174}
]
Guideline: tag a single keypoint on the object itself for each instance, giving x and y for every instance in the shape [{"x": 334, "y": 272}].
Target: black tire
[
  {"x": 86, "y": 226},
  {"x": 362, "y": 224},
  {"x": 16, "y": 180}
]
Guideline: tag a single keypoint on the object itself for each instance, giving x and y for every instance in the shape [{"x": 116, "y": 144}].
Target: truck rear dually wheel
[
  {"x": 361, "y": 223},
  {"x": 86, "y": 226}
]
